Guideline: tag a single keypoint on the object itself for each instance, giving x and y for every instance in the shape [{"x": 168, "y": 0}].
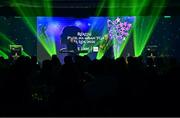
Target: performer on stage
[{"x": 105, "y": 46}]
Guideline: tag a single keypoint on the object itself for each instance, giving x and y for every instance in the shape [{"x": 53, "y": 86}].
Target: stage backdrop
[{"x": 92, "y": 36}]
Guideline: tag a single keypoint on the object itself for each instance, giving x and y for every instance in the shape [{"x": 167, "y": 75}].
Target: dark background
[{"x": 86, "y": 8}]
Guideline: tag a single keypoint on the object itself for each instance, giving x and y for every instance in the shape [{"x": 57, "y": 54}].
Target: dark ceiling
[{"x": 86, "y": 7}]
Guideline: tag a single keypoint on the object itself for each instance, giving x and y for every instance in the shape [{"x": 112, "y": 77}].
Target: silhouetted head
[
  {"x": 54, "y": 57},
  {"x": 121, "y": 60},
  {"x": 33, "y": 59},
  {"x": 55, "y": 60},
  {"x": 68, "y": 60},
  {"x": 86, "y": 58},
  {"x": 46, "y": 65},
  {"x": 1, "y": 58},
  {"x": 173, "y": 61}
]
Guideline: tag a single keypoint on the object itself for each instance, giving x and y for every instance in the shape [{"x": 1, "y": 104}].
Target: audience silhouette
[{"x": 84, "y": 87}]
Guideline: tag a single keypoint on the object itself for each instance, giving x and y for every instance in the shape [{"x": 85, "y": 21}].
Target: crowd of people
[{"x": 84, "y": 87}]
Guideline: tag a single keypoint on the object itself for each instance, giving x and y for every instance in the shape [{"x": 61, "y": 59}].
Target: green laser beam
[
  {"x": 4, "y": 55},
  {"x": 49, "y": 46},
  {"x": 9, "y": 41},
  {"x": 106, "y": 44},
  {"x": 5, "y": 38},
  {"x": 113, "y": 11},
  {"x": 48, "y": 7},
  {"x": 144, "y": 27}
]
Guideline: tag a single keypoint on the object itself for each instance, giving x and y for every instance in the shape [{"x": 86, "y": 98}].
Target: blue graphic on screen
[
  {"x": 76, "y": 35},
  {"x": 71, "y": 33}
]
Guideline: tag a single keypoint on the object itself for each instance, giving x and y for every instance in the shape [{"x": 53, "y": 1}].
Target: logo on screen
[{"x": 95, "y": 49}]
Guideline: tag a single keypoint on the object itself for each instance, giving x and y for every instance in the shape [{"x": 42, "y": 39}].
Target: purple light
[
  {"x": 121, "y": 24},
  {"x": 89, "y": 24},
  {"x": 125, "y": 24},
  {"x": 53, "y": 28},
  {"x": 78, "y": 23},
  {"x": 118, "y": 30}
]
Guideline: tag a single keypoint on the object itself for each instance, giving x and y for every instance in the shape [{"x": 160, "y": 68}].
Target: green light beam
[
  {"x": 49, "y": 47},
  {"x": 10, "y": 42},
  {"x": 105, "y": 46},
  {"x": 138, "y": 7},
  {"x": 4, "y": 55},
  {"x": 144, "y": 27},
  {"x": 48, "y": 7},
  {"x": 5, "y": 38},
  {"x": 123, "y": 45},
  {"x": 98, "y": 12}
]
